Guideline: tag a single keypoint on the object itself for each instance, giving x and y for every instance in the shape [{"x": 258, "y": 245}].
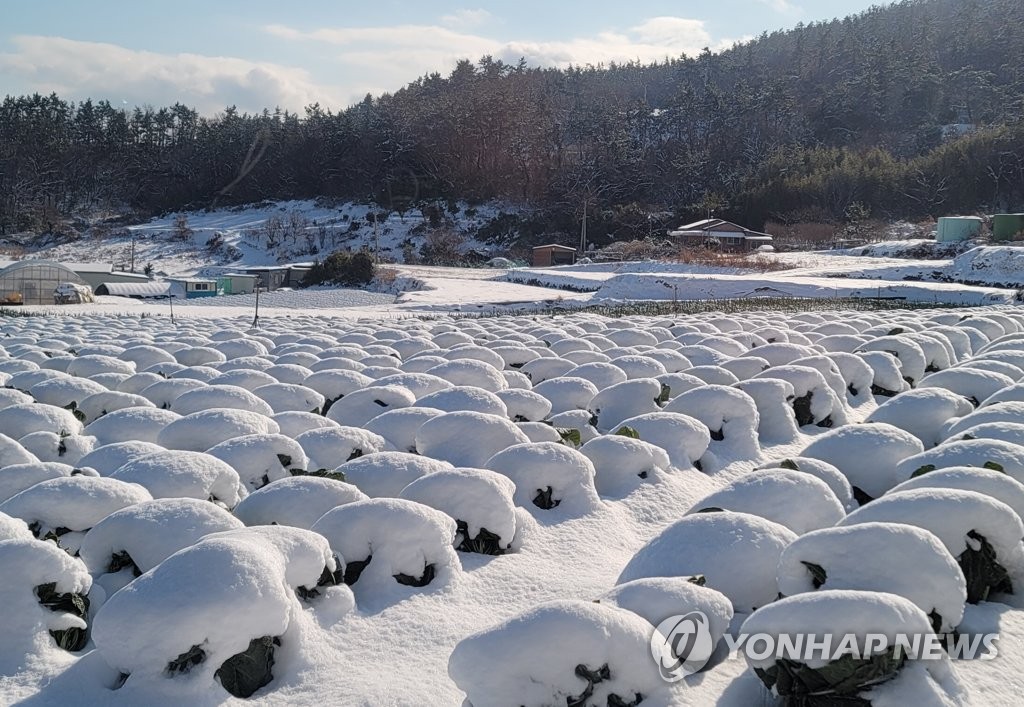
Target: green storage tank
[
  {"x": 1007, "y": 227},
  {"x": 952, "y": 229}
]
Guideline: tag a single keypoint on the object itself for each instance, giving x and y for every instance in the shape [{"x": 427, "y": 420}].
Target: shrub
[{"x": 342, "y": 268}]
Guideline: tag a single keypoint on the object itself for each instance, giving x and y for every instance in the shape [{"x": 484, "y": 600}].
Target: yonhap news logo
[
  {"x": 682, "y": 645},
  {"x": 687, "y": 639}
]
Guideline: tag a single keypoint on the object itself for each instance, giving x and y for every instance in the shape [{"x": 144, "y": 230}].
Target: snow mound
[
  {"x": 878, "y": 557},
  {"x": 179, "y": 474},
  {"x": 228, "y": 397},
  {"x": 824, "y": 471},
  {"x": 151, "y": 630},
  {"x": 621, "y": 463},
  {"x": 29, "y": 568},
  {"x": 975, "y": 385},
  {"x": 260, "y": 459},
  {"x": 923, "y": 413},
  {"x": 16, "y": 421},
  {"x": 986, "y": 453},
  {"x": 548, "y": 475},
  {"x": 385, "y": 474},
  {"x": 480, "y": 502},
  {"x": 562, "y": 652},
  {"x": 143, "y": 535},
  {"x": 992, "y": 483},
  {"x": 297, "y": 501},
  {"x": 682, "y": 437},
  {"x": 659, "y": 598},
  {"x": 792, "y": 499},
  {"x": 729, "y": 413},
  {"x": 109, "y": 458},
  {"x": 736, "y": 552},
  {"x": 64, "y": 508},
  {"x": 866, "y": 454},
  {"x": 616, "y": 403},
  {"x": 388, "y": 543},
  {"x": 467, "y": 439},
  {"x": 141, "y": 424},
  {"x": 961, "y": 520},
  {"x": 199, "y": 431},
  {"x": 359, "y": 407},
  {"x": 329, "y": 447}
]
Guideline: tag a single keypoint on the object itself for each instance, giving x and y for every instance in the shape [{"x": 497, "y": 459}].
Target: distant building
[
  {"x": 234, "y": 283},
  {"x": 553, "y": 254},
  {"x": 721, "y": 234},
  {"x": 1007, "y": 227},
  {"x": 273, "y": 277},
  {"x": 95, "y": 274},
  {"x": 952, "y": 229},
  {"x": 195, "y": 287}
]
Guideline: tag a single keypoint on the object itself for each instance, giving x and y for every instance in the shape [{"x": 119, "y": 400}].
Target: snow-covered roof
[
  {"x": 77, "y": 267},
  {"x": 192, "y": 280},
  {"x": 554, "y": 246},
  {"x": 703, "y": 227},
  {"x": 141, "y": 289},
  {"x": 700, "y": 225},
  {"x": 90, "y": 267}
]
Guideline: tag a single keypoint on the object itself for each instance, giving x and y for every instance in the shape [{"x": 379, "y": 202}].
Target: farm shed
[
  {"x": 1007, "y": 227},
  {"x": 234, "y": 283},
  {"x": 553, "y": 254},
  {"x": 952, "y": 229}
]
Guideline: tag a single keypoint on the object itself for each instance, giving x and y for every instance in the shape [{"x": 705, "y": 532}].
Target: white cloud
[
  {"x": 423, "y": 48},
  {"x": 75, "y": 69},
  {"x": 784, "y": 7},
  {"x": 366, "y": 60},
  {"x": 467, "y": 18}
]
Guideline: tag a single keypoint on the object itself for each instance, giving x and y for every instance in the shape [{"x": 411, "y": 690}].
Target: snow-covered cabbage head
[{"x": 561, "y": 652}]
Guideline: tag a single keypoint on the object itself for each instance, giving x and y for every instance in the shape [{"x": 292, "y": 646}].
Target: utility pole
[
  {"x": 583, "y": 231},
  {"x": 376, "y": 241},
  {"x": 132, "y": 269},
  {"x": 256, "y": 318},
  {"x": 170, "y": 301}
]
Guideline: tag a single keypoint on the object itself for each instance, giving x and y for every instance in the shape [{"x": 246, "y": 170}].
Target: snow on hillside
[{"x": 265, "y": 234}]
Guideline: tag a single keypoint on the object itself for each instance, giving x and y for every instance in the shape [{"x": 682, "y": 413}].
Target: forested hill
[{"x": 908, "y": 110}]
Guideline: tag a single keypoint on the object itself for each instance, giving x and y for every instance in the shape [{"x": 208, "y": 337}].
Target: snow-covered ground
[
  {"x": 265, "y": 234},
  {"x": 736, "y": 448}
]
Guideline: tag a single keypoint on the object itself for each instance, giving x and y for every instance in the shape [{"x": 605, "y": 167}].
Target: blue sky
[{"x": 266, "y": 53}]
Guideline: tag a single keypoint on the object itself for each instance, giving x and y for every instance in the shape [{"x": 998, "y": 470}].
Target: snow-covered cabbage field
[{"x": 499, "y": 511}]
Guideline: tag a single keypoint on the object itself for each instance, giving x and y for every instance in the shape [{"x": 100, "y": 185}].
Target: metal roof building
[{"x": 95, "y": 274}]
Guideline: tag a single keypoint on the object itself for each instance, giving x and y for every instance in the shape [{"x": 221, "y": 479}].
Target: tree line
[{"x": 910, "y": 110}]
